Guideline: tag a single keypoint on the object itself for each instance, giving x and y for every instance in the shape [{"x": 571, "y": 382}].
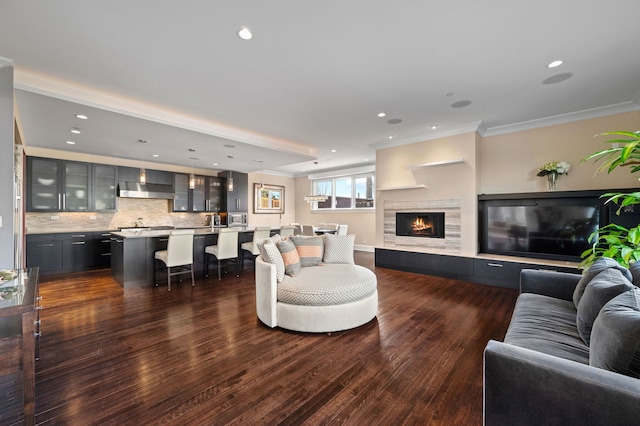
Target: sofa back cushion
[
  {"x": 602, "y": 288},
  {"x": 615, "y": 338},
  {"x": 289, "y": 256},
  {"x": 310, "y": 249},
  {"x": 339, "y": 248},
  {"x": 590, "y": 273}
]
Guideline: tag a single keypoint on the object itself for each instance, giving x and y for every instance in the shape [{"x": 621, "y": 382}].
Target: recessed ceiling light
[
  {"x": 71, "y": 142},
  {"x": 555, "y": 64},
  {"x": 156, "y": 155},
  {"x": 390, "y": 137},
  {"x": 434, "y": 126},
  {"x": 382, "y": 114},
  {"x": 245, "y": 34},
  {"x": 82, "y": 116},
  {"x": 333, "y": 150},
  {"x": 215, "y": 164},
  {"x": 75, "y": 130},
  {"x": 460, "y": 104}
]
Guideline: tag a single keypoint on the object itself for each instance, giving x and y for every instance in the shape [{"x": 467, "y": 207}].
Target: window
[{"x": 345, "y": 192}]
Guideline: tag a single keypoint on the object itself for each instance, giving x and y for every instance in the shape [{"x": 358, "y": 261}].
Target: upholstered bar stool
[
  {"x": 260, "y": 233},
  {"x": 179, "y": 254},
  {"x": 287, "y": 231},
  {"x": 226, "y": 249}
]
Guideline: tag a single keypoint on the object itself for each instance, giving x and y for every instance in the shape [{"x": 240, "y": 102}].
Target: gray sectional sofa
[{"x": 571, "y": 354}]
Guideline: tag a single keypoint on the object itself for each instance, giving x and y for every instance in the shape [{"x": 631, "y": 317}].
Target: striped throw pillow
[
  {"x": 339, "y": 248},
  {"x": 289, "y": 256},
  {"x": 310, "y": 249}
]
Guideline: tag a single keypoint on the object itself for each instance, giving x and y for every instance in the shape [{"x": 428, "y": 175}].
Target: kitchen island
[{"x": 132, "y": 252}]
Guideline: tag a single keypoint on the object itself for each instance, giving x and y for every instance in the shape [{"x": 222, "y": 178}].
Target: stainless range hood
[{"x": 149, "y": 190}]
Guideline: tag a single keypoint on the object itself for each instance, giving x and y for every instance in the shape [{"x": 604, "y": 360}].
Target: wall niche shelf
[
  {"x": 435, "y": 163},
  {"x": 393, "y": 188}
]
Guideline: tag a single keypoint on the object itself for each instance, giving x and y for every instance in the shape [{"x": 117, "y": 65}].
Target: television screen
[{"x": 552, "y": 229}]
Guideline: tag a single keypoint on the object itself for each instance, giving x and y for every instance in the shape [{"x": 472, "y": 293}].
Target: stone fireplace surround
[{"x": 450, "y": 244}]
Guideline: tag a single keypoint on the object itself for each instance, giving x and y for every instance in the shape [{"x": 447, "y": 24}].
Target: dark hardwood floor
[{"x": 199, "y": 356}]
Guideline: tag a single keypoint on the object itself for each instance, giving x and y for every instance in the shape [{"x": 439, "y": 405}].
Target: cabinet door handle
[
  {"x": 59, "y": 201},
  {"x": 78, "y": 236},
  {"x": 108, "y": 234},
  {"x": 105, "y": 241},
  {"x": 45, "y": 245},
  {"x": 64, "y": 201},
  {"x": 78, "y": 243},
  {"x": 495, "y": 265},
  {"x": 105, "y": 254},
  {"x": 162, "y": 240}
]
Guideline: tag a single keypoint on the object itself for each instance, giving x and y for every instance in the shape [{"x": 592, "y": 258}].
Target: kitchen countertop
[{"x": 152, "y": 233}]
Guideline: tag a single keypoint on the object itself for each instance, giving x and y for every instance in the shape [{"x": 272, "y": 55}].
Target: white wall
[{"x": 7, "y": 206}]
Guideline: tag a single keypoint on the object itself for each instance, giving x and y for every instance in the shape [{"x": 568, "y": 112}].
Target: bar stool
[
  {"x": 260, "y": 233},
  {"x": 287, "y": 231},
  {"x": 179, "y": 253},
  {"x": 226, "y": 249}
]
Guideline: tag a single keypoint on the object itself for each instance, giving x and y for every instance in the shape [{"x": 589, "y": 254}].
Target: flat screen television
[{"x": 552, "y": 228}]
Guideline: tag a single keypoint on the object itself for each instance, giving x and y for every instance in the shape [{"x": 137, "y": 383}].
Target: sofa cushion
[
  {"x": 548, "y": 325},
  {"x": 289, "y": 256},
  {"x": 324, "y": 285},
  {"x": 615, "y": 338},
  {"x": 339, "y": 248},
  {"x": 270, "y": 254},
  {"x": 590, "y": 273},
  {"x": 602, "y": 288},
  {"x": 310, "y": 249}
]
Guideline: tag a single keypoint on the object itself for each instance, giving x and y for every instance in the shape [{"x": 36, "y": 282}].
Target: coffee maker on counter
[{"x": 213, "y": 220}]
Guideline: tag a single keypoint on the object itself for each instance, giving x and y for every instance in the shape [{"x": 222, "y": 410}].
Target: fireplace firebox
[{"x": 422, "y": 224}]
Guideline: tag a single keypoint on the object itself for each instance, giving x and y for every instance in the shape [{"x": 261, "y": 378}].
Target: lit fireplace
[{"x": 427, "y": 224}]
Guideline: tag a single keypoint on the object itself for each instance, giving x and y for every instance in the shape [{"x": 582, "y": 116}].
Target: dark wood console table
[{"x": 19, "y": 331}]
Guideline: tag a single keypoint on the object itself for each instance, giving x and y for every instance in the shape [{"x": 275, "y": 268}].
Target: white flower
[{"x": 563, "y": 167}]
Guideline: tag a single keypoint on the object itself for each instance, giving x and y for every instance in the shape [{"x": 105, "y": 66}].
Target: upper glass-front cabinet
[
  {"x": 58, "y": 185},
  {"x": 43, "y": 185},
  {"x": 105, "y": 181}
]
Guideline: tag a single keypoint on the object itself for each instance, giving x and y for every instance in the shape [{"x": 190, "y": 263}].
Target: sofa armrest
[
  {"x": 266, "y": 292},
  {"x": 549, "y": 283},
  {"x": 526, "y": 387}
]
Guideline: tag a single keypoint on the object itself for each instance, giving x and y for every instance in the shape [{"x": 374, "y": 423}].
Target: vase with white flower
[{"x": 552, "y": 170}]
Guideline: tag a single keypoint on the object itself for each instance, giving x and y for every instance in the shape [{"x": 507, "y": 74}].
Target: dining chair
[
  {"x": 226, "y": 249},
  {"x": 342, "y": 229},
  {"x": 333, "y": 226},
  {"x": 259, "y": 233},
  {"x": 179, "y": 254},
  {"x": 287, "y": 230},
  {"x": 298, "y": 228},
  {"x": 308, "y": 230}
]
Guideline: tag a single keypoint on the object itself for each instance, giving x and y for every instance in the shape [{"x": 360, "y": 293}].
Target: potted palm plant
[{"x": 615, "y": 241}]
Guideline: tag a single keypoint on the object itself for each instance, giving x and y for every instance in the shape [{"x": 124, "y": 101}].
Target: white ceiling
[{"x": 312, "y": 79}]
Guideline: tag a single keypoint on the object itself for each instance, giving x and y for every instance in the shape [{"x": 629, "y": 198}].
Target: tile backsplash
[{"x": 153, "y": 213}]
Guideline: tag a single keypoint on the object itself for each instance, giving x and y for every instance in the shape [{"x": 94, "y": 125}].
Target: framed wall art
[{"x": 268, "y": 198}]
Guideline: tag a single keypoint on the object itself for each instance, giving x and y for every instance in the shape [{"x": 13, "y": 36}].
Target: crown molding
[
  {"x": 466, "y": 128},
  {"x": 564, "y": 118}
]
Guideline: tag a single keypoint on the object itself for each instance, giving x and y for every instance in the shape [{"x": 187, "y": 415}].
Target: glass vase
[{"x": 552, "y": 180}]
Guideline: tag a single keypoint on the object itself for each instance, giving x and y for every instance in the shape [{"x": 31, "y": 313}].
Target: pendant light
[
  {"x": 230, "y": 182},
  {"x": 143, "y": 175},
  {"x": 192, "y": 177},
  {"x": 261, "y": 175},
  {"x": 315, "y": 198}
]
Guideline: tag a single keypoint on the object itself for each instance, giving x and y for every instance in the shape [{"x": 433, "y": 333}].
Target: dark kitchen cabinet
[
  {"x": 206, "y": 195},
  {"x": 215, "y": 194},
  {"x": 104, "y": 189},
  {"x": 45, "y": 252},
  {"x": 180, "y": 202},
  {"x": 58, "y": 185},
  {"x": 77, "y": 252},
  {"x": 237, "y": 200},
  {"x": 59, "y": 253},
  {"x": 132, "y": 174},
  {"x": 101, "y": 249}
]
